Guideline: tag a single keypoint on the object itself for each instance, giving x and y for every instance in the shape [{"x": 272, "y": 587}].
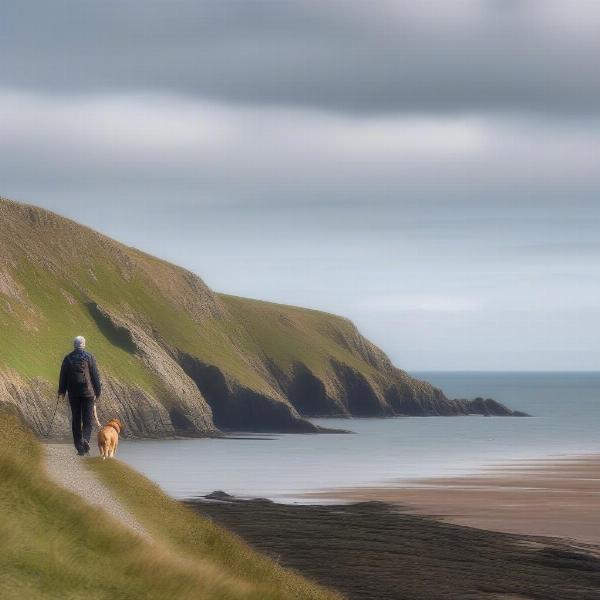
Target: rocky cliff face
[{"x": 177, "y": 358}]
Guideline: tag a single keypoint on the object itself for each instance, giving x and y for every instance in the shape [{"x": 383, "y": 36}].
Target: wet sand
[{"x": 555, "y": 497}]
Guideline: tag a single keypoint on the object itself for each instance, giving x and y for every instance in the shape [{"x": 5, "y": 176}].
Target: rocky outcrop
[
  {"x": 141, "y": 412},
  {"x": 310, "y": 396},
  {"x": 236, "y": 407},
  {"x": 30, "y": 399},
  {"x": 350, "y": 393}
]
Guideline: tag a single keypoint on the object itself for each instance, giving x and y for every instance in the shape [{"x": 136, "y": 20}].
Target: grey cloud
[
  {"x": 351, "y": 55},
  {"x": 144, "y": 145}
]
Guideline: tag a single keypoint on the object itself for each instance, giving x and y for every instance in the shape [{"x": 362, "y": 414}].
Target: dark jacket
[{"x": 63, "y": 383}]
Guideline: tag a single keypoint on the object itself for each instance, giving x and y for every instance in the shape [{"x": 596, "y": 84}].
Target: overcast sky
[{"x": 429, "y": 169}]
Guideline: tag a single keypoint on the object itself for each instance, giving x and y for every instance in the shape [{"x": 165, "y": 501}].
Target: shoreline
[{"x": 553, "y": 497}]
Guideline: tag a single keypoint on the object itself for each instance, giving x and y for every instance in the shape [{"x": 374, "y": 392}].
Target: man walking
[{"x": 79, "y": 377}]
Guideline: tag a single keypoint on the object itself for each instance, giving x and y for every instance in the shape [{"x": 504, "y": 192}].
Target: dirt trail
[{"x": 68, "y": 470}]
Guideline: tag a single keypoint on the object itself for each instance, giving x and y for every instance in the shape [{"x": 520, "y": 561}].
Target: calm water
[{"x": 567, "y": 421}]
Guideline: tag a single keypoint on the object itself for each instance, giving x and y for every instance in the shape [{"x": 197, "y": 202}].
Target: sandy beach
[{"x": 553, "y": 497}]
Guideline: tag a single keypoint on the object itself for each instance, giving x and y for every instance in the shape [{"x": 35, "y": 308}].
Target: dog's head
[{"x": 116, "y": 424}]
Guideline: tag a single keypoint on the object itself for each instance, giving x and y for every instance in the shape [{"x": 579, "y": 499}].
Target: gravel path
[{"x": 68, "y": 470}]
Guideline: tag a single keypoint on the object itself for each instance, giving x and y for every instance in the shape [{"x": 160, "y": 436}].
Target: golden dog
[{"x": 108, "y": 438}]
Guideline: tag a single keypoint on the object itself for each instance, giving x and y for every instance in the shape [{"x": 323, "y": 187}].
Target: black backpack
[{"x": 80, "y": 380}]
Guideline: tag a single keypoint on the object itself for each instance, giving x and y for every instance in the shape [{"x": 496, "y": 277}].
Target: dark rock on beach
[{"x": 219, "y": 495}]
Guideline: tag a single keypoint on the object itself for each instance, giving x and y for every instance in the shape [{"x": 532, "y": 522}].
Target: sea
[{"x": 565, "y": 420}]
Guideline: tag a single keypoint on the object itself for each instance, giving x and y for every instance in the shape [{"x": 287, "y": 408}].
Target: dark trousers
[{"x": 82, "y": 411}]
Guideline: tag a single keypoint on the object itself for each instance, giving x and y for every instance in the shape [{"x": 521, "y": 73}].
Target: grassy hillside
[
  {"x": 53, "y": 545},
  {"x": 177, "y": 357}
]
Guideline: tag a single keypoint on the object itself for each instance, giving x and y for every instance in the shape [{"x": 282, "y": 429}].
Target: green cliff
[{"x": 176, "y": 357}]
